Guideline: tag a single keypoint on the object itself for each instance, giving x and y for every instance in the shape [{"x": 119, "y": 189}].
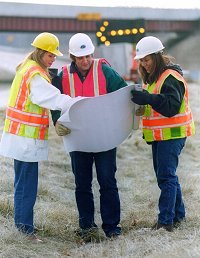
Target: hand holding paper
[{"x": 61, "y": 130}]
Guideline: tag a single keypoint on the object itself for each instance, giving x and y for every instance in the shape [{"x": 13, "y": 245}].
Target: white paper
[{"x": 99, "y": 123}]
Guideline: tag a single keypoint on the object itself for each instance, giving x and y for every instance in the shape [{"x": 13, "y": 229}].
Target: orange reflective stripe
[
  {"x": 22, "y": 95},
  {"x": 27, "y": 118},
  {"x": 163, "y": 122},
  {"x": 154, "y": 113},
  {"x": 43, "y": 131},
  {"x": 158, "y": 134},
  {"x": 163, "y": 77},
  {"x": 189, "y": 129},
  {"x": 23, "y": 92},
  {"x": 14, "y": 127}
]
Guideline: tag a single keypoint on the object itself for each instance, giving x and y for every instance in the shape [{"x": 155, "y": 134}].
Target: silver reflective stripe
[
  {"x": 95, "y": 77},
  {"x": 71, "y": 82}
]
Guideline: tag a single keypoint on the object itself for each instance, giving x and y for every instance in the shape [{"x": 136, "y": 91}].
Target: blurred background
[{"x": 114, "y": 31}]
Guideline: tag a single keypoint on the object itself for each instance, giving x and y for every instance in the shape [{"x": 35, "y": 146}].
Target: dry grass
[{"x": 56, "y": 215}]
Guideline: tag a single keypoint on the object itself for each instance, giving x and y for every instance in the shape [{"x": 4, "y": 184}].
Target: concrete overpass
[
  {"x": 23, "y": 19},
  {"x": 20, "y": 23}
]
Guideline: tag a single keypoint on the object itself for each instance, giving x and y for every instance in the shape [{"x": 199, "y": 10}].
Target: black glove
[
  {"x": 141, "y": 97},
  {"x": 53, "y": 72}
]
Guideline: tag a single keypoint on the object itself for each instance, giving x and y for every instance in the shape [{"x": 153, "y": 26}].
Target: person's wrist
[{"x": 151, "y": 99}]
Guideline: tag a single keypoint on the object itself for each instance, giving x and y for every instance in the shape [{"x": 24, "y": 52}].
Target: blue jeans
[
  {"x": 165, "y": 162},
  {"x": 82, "y": 167},
  {"x": 25, "y": 185}
]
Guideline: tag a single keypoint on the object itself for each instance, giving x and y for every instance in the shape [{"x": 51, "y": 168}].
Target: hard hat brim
[
  {"x": 82, "y": 53},
  {"x": 55, "y": 52},
  {"x": 140, "y": 56},
  {"x": 143, "y": 55}
]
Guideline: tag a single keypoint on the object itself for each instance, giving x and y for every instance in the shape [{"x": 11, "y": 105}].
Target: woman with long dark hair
[{"x": 167, "y": 122}]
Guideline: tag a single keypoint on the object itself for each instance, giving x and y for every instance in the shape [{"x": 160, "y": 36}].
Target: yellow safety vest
[
  {"x": 157, "y": 127},
  {"x": 24, "y": 118}
]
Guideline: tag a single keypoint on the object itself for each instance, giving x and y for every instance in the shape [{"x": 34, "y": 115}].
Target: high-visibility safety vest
[
  {"x": 24, "y": 118},
  {"x": 93, "y": 85},
  {"x": 157, "y": 127}
]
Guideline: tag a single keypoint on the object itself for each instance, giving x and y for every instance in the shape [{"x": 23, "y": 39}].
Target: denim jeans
[
  {"x": 25, "y": 192},
  {"x": 82, "y": 167},
  {"x": 165, "y": 162}
]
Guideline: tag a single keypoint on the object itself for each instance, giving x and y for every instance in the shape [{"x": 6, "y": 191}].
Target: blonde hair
[{"x": 36, "y": 56}]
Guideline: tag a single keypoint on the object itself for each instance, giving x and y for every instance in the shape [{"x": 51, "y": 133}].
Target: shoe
[
  {"x": 36, "y": 230},
  {"x": 115, "y": 233},
  {"x": 179, "y": 222},
  {"x": 33, "y": 238},
  {"x": 87, "y": 235},
  {"x": 158, "y": 225}
]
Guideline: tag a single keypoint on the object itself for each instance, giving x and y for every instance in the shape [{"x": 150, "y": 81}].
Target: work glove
[
  {"x": 53, "y": 72},
  {"x": 140, "y": 111},
  {"x": 141, "y": 97},
  {"x": 61, "y": 130}
]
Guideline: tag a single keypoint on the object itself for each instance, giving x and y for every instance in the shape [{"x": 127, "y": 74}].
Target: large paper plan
[{"x": 99, "y": 123}]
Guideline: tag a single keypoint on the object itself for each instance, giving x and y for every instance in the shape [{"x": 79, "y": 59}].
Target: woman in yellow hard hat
[{"x": 26, "y": 125}]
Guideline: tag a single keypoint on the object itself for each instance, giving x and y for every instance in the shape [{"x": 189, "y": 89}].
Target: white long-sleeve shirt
[{"x": 27, "y": 149}]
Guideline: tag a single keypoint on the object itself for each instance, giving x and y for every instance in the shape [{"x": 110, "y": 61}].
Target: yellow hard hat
[{"x": 47, "y": 41}]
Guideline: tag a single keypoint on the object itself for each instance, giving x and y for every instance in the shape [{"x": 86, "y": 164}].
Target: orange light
[
  {"x": 127, "y": 31},
  {"x": 134, "y": 31},
  {"x": 103, "y": 38},
  {"x": 141, "y": 30},
  {"x": 120, "y": 32},
  {"x": 99, "y": 34},
  {"x": 105, "y": 23},
  {"x": 102, "y": 28},
  {"x": 107, "y": 43},
  {"x": 113, "y": 33}
]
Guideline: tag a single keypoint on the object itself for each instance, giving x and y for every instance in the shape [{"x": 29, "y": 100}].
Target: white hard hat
[
  {"x": 148, "y": 45},
  {"x": 81, "y": 45}
]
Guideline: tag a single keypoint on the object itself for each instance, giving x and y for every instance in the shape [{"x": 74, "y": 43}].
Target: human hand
[
  {"x": 53, "y": 72},
  {"x": 61, "y": 130},
  {"x": 140, "y": 111},
  {"x": 141, "y": 97}
]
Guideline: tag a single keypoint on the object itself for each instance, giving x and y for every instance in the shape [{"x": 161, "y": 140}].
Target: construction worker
[
  {"x": 26, "y": 125},
  {"x": 167, "y": 122},
  {"x": 89, "y": 77}
]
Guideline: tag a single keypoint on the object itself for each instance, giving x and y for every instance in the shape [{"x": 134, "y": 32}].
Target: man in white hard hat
[{"x": 89, "y": 77}]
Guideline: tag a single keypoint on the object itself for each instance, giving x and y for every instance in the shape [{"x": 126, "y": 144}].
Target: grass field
[{"x": 56, "y": 214}]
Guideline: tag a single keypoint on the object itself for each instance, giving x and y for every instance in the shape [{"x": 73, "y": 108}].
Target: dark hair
[
  {"x": 160, "y": 61},
  {"x": 72, "y": 57}
]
